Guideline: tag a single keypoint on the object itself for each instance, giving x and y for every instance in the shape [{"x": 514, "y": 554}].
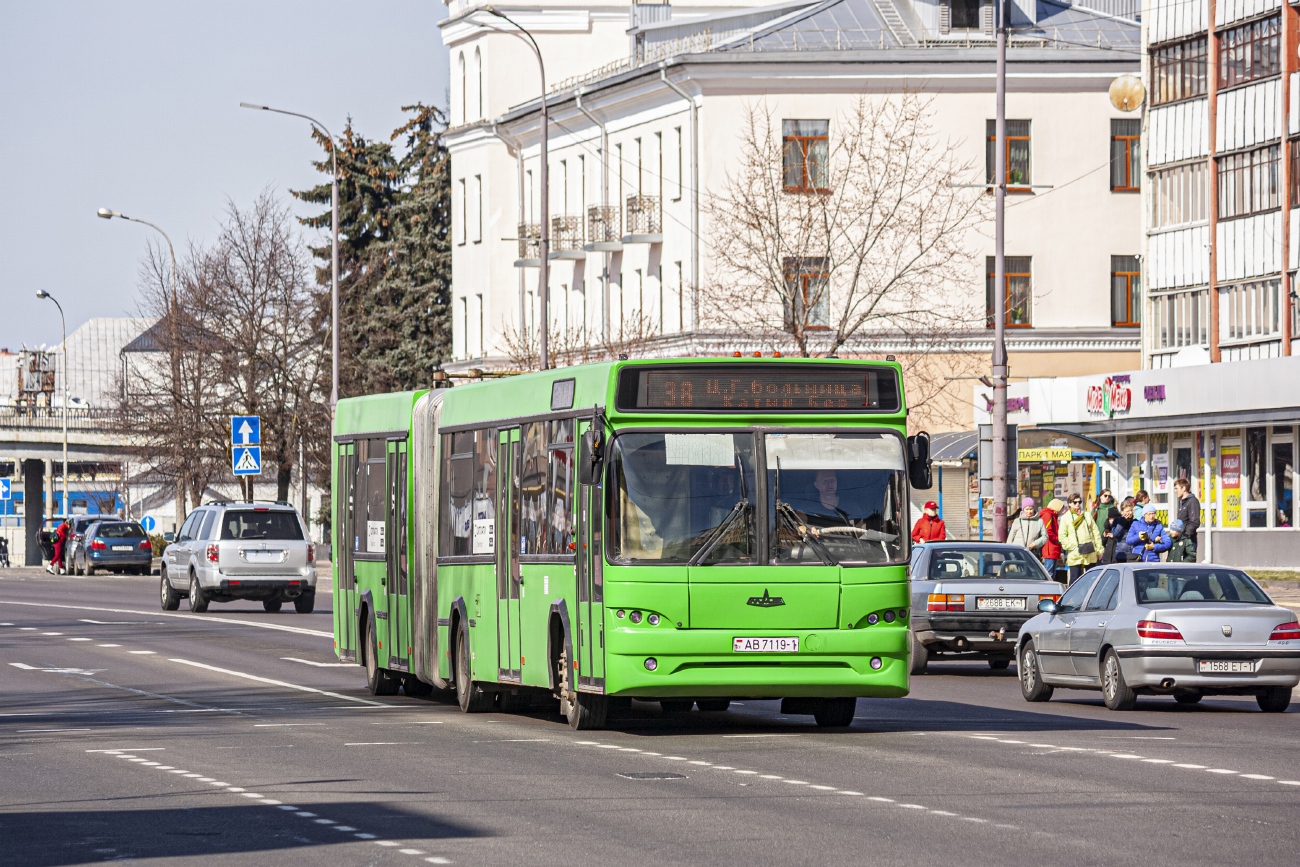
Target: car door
[
  {"x": 177, "y": 555},
  {"x": 1054, "y": 639},
  {"x": 1090, "y": 624}
]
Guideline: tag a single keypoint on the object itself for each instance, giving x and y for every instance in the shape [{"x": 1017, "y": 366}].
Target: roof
[
  {"x": 963, "y": 445},
  {"x": 93, "y": 362}
]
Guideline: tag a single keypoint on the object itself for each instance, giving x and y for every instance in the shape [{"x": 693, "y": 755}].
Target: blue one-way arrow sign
[
  {"x": 5, "y": 491},
  {"x": 245, "y": 430},
  {"x": 246, "y": 460}
]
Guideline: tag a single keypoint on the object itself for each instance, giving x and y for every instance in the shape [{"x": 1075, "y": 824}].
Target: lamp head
[
  {"x": 42, "y": 294},
  {"x": 254, "y": 106},
  {"x": 106, "y": 214}
]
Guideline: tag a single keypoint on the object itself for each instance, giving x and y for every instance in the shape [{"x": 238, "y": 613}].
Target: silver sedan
[{"x": 1186, "y": 630}]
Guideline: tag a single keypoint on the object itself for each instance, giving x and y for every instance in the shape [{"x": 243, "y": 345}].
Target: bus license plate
[
  {"x": 765, "y": 645},
  {"x": 1000, "y": 603},
  {"x": 1226, "y": 666}
]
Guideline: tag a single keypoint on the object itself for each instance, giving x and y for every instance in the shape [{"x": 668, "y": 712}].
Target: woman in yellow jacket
[{"x": 1079, "y": 538}]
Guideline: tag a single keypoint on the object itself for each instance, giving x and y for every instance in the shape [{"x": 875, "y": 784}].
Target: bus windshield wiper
[
  {"x": 741, "y": 507},
  {"x": 786, "y": 514}
]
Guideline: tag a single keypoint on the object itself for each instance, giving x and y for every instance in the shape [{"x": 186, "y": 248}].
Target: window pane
[
  {"x": 1018, "y": 162},
  {"x": 793, "y": 168},
  {"x": 818, "y": 171},
  {"x": 532, "y": 484}
]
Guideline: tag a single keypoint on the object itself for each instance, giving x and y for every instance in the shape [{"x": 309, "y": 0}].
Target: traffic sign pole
[{"x": 246, "y": 450}]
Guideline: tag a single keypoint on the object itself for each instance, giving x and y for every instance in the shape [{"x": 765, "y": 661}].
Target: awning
[{"x": 963, "y": 445}]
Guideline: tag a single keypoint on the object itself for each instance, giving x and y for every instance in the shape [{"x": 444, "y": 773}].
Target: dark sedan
[{"x": 120, "y": 546}]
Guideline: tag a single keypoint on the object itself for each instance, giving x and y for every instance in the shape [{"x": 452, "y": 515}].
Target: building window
[
  {"x": 1018, "y": 153},
  {"x": 678, "y": 178},
  {"x": 478, "y": 84},
  {"x": 1250, "y": 51},
  {"x": 463, "y": 213},
  {"x": 1249, "y": 310},
  {"x": 805, "y": 146},
  {"x": 1179, "y": 70},
  {"x": 1019, "y": 291},
  {"x": 1248, "y": 182},
  {"x": 1178, "y": 195},
  {"x": 464, "y": 90},
  {"x": 1294, "y": 145},
  {"x": 478, "y": 209},
  {"x": 964, "y": 14},
  {"x": 1125, "y": 155},
  {"x": 1180, "y": 319},
  {"x": 1125, "y": 291},
  {"x": 807, "y": 293}
]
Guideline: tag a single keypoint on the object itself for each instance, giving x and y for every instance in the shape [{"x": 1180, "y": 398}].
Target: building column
[
  {"x": 49, "y": 487},
  {"x": 1289, "y": 65},
  {"x": 33, "y": 508},
  {"x": 1212, "y": 95}
]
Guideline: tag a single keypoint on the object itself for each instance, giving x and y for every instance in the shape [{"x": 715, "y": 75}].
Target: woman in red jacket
[
  {"x": 1052, "y": 549},
  {"x": 929, "y": 527}
]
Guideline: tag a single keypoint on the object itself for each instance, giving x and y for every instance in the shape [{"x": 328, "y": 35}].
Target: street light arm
[
  {"x": 313, "y": 121},
  {"x": 520, "y": 33}
]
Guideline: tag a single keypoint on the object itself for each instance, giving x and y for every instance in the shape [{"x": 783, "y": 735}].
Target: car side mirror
[
  {"x": 591, "y": 455},
  {"x": 919, "y": 472},
  {"x": 1049, "y": 606}
]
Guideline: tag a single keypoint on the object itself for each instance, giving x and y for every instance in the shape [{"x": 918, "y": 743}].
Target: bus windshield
[
  {"x": 835, "y": 497},
  {"x": 693, "y": 498}
]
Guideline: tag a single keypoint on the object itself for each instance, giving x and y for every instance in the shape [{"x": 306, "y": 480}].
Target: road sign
[
  {"x": 245, "y": 430},
  {"x": 246, "y": 460},
  {"x": 984, "y": 458},
  {"x": 6, "y": 492},
  {"x": 148, "y": 523}
]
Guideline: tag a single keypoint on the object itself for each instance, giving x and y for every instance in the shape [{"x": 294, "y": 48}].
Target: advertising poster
[
  {"x": 1230, "y": 481},
  {"x": 1160, "y": 473}
]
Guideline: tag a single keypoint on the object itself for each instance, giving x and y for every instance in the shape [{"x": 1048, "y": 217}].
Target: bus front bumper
[{"x": 699, "y": 663}]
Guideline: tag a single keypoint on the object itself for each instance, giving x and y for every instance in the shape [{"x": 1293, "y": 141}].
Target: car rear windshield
[
  {"x": 1197, "y": 585},
  {"x": 124, "y": 530},
  {"x": 247, "y": 524},
  {"x": 1003, "y": 564}
]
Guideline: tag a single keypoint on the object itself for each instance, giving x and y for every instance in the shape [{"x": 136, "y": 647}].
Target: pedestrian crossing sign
[{"x": 246, "y": 460}]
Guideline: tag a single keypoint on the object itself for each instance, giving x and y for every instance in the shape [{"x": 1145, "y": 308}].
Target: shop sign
[
  {"x": 1153, "y": 393},
  {"x": 1014, "y": 404},
  {"x": 1039, "y": 456},
  {"x": 1112, "y": 396},
  {"x": 1230, "y": 481}
]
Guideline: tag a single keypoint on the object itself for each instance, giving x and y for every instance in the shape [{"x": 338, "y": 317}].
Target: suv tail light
[
  {"x": 311, "y": 553},
  {"x": 213, "y": 554},
  {"x": 97, "y": 545},
  {"x": 1156, "y": 629},
  {"x": 1286, "y": 632},
  {"x": 946, "y": 602}
]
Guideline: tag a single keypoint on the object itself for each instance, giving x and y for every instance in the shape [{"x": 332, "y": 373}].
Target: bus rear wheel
[{"x": 471, "y": 697}]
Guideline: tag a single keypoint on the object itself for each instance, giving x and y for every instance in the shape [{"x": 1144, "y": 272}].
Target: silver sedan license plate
[
  {"x": 999, "y": 603},
  {"x": 765, "y": 645},
  {"x": 1227, "y": 666}
]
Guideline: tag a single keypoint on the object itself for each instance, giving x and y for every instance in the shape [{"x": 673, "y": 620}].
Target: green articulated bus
[{"x": 673, "y": 530}]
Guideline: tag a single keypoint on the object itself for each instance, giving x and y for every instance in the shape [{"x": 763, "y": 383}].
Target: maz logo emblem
[{"x": 766, "y": 600}]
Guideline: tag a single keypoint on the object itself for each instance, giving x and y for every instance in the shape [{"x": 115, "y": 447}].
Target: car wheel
[
  {"x": 380, "y": 681},
  {"x": 272, "y": 605},
  {"x": 713, "y": 705},
  {"x": 1031, "y": 675},
  {"x": 198, "y": 599},
  {"x": 471, "y": 697},
  {"x": 171, "y": 600},
  {"x": 1114, "y": 689},
  {"x": 836, "y": 713},
  {"x": 1275, "y": 699},
  {"x": 920, "y": 656},
  {"x": 87, "y": 568},
  {"x": 1000, "y": 663},
  {"x": 305, "y": 603},
  {"x": 1188, "y": 697}
]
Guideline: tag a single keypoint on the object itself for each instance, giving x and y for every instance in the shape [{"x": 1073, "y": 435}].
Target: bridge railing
[{"x": 47, "y": 418}]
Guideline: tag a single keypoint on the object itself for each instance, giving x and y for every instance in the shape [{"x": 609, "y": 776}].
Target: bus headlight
[
  {"x": 653, "y": 620},
  {"x": 651, "y": 663}
]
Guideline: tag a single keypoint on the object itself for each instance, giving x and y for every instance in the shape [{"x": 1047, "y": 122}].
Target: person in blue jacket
[{"x": 1148, "y": 538}]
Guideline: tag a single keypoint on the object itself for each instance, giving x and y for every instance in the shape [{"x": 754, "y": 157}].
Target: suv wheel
[
  {"x": 198, "y": 599},
  {"x": 272, "y": 605},
  {"x": 305, "y": 603}
]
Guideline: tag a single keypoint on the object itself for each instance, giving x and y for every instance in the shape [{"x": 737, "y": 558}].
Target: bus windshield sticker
[
  {"x": 825, "y": 452},
  {"x": 375, "y": 537},
  {"x": 562, "y": 394},
  {"x": 699, "y": 450},
  {"x": 484, "y": 526}
]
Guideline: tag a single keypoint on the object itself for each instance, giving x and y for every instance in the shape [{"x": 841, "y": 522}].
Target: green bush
[{"x": 159, "y": 544}]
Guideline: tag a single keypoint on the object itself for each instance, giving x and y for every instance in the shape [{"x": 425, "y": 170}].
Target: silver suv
[{"x": 226, "y": 551}]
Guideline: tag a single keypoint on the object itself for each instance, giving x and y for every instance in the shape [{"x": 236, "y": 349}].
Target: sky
[{"x": 134, "y": 106}]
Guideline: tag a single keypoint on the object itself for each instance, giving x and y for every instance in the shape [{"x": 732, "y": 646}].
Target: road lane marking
[
  {"x": 108, "y": 645},
  {"x": 280, "y": 683},
  {"x": 320, "y": 664},
  {"x": 152, "y": 615},
  {"x": 141, "y": 652},
  {"x": 81, "y": 639},
  {"x": 382, "y": 744},
  {"x": 34, "y": 731}
]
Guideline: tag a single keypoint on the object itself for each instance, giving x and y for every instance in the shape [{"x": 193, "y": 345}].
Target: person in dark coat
[
  {"x": 1189, "y": 510},
  {"x": 1114, "y": 533},
  {"x": 1183, "y": 549}
]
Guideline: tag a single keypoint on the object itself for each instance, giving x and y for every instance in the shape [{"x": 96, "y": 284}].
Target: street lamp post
[
  {"x": 544, "y": 242},
  {"x": 1000, "y": 458},
  {"x": 334, "y": 243},
  {"x": 67, "y": 509},
  {"x": 173, "y": 313}
]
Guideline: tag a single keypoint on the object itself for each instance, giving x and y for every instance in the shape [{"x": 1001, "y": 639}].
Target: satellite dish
[{"x": 1127, "y": 93}]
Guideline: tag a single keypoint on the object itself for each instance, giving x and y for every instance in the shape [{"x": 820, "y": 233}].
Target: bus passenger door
[
  {"x": 345, "y": 584},
  {"x": 395, "y": 552},
  {"x": 589, "y": 634},
  {"x": 508, "y": 543}
]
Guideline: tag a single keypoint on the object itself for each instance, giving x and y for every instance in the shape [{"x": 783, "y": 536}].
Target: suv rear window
[
  {"x": 121, "y": 531},
  {"x": 247, "y": 524}
]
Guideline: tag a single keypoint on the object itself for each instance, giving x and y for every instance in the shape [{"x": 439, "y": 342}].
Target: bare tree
[
  {"x": 850, "y": 236},
  {"x": 574, "y": 344}
]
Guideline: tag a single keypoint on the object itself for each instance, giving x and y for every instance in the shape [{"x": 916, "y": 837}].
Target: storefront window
[
  {"x": 1257, "y": 476},
  {"x": 1183, "y": 462},
  {"x": 1283, "y": 470}
]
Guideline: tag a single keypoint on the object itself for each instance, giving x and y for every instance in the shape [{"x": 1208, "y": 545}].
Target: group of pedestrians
[{"x": 1107, "y": 532}]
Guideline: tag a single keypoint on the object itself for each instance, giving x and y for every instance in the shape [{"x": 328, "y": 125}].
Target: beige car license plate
[
  {"x": 765, "y": 645},
  {"x": 1227, "y": 666},
  {"x": 999, "y": 603}
]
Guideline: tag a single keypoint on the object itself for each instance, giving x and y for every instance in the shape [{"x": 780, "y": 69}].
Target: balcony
[
  {"x": 530, "y": 245},
  {"x": 566, "y": 238},
  {"x": 602, "y": 229},
  {"x": 644, "y": 224}
]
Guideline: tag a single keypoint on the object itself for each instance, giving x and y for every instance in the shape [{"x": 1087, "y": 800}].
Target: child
[{"x": 1183, "y": 550}]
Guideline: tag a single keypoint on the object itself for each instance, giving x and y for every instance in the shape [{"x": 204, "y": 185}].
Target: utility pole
[{"x": 1000, "y": 468}]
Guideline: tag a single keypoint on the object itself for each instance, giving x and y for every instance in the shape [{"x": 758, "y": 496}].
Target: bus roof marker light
[{"x": 651, "y": 663}]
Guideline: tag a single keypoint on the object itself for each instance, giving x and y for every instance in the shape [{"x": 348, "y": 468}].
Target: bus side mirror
[
  {"x": 918, "y": 461},
  {"x": 591, "y": 456}
]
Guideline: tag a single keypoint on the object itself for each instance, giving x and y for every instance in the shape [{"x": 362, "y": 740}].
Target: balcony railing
[
  {"x": 566, "y": 235},
  {"x": 603, "y": 227},
  {"x": 643, "y": 219},
  {"x": 530, "y": 241}
]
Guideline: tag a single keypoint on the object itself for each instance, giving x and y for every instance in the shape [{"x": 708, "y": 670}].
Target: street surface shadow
[{"x": 52, "y": 838}]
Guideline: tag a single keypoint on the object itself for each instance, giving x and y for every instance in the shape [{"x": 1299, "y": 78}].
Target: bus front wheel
[{"x": 583, "y": 710}]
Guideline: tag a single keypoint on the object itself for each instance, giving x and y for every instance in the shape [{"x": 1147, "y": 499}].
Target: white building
[{"x": 645, "y": 119}]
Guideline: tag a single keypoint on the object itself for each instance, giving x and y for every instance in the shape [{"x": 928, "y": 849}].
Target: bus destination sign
[{"x": 760, "y": 388}]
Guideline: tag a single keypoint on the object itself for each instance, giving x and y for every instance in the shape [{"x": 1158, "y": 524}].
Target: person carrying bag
[
  {"x": 1080, "y": 539},
  {"x": 1027, "y": 529}
]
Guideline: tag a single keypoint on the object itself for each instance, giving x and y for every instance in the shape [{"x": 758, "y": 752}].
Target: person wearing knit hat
[
  {"x": 929, "y": 527},
  {"x": 1183, "y": 549},
  {"x": 1052, "y": 549},
  {"x": 1026, "y": 529}
]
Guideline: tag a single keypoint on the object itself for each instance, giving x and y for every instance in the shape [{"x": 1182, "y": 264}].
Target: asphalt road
[{"x": 128, "y": 733}]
